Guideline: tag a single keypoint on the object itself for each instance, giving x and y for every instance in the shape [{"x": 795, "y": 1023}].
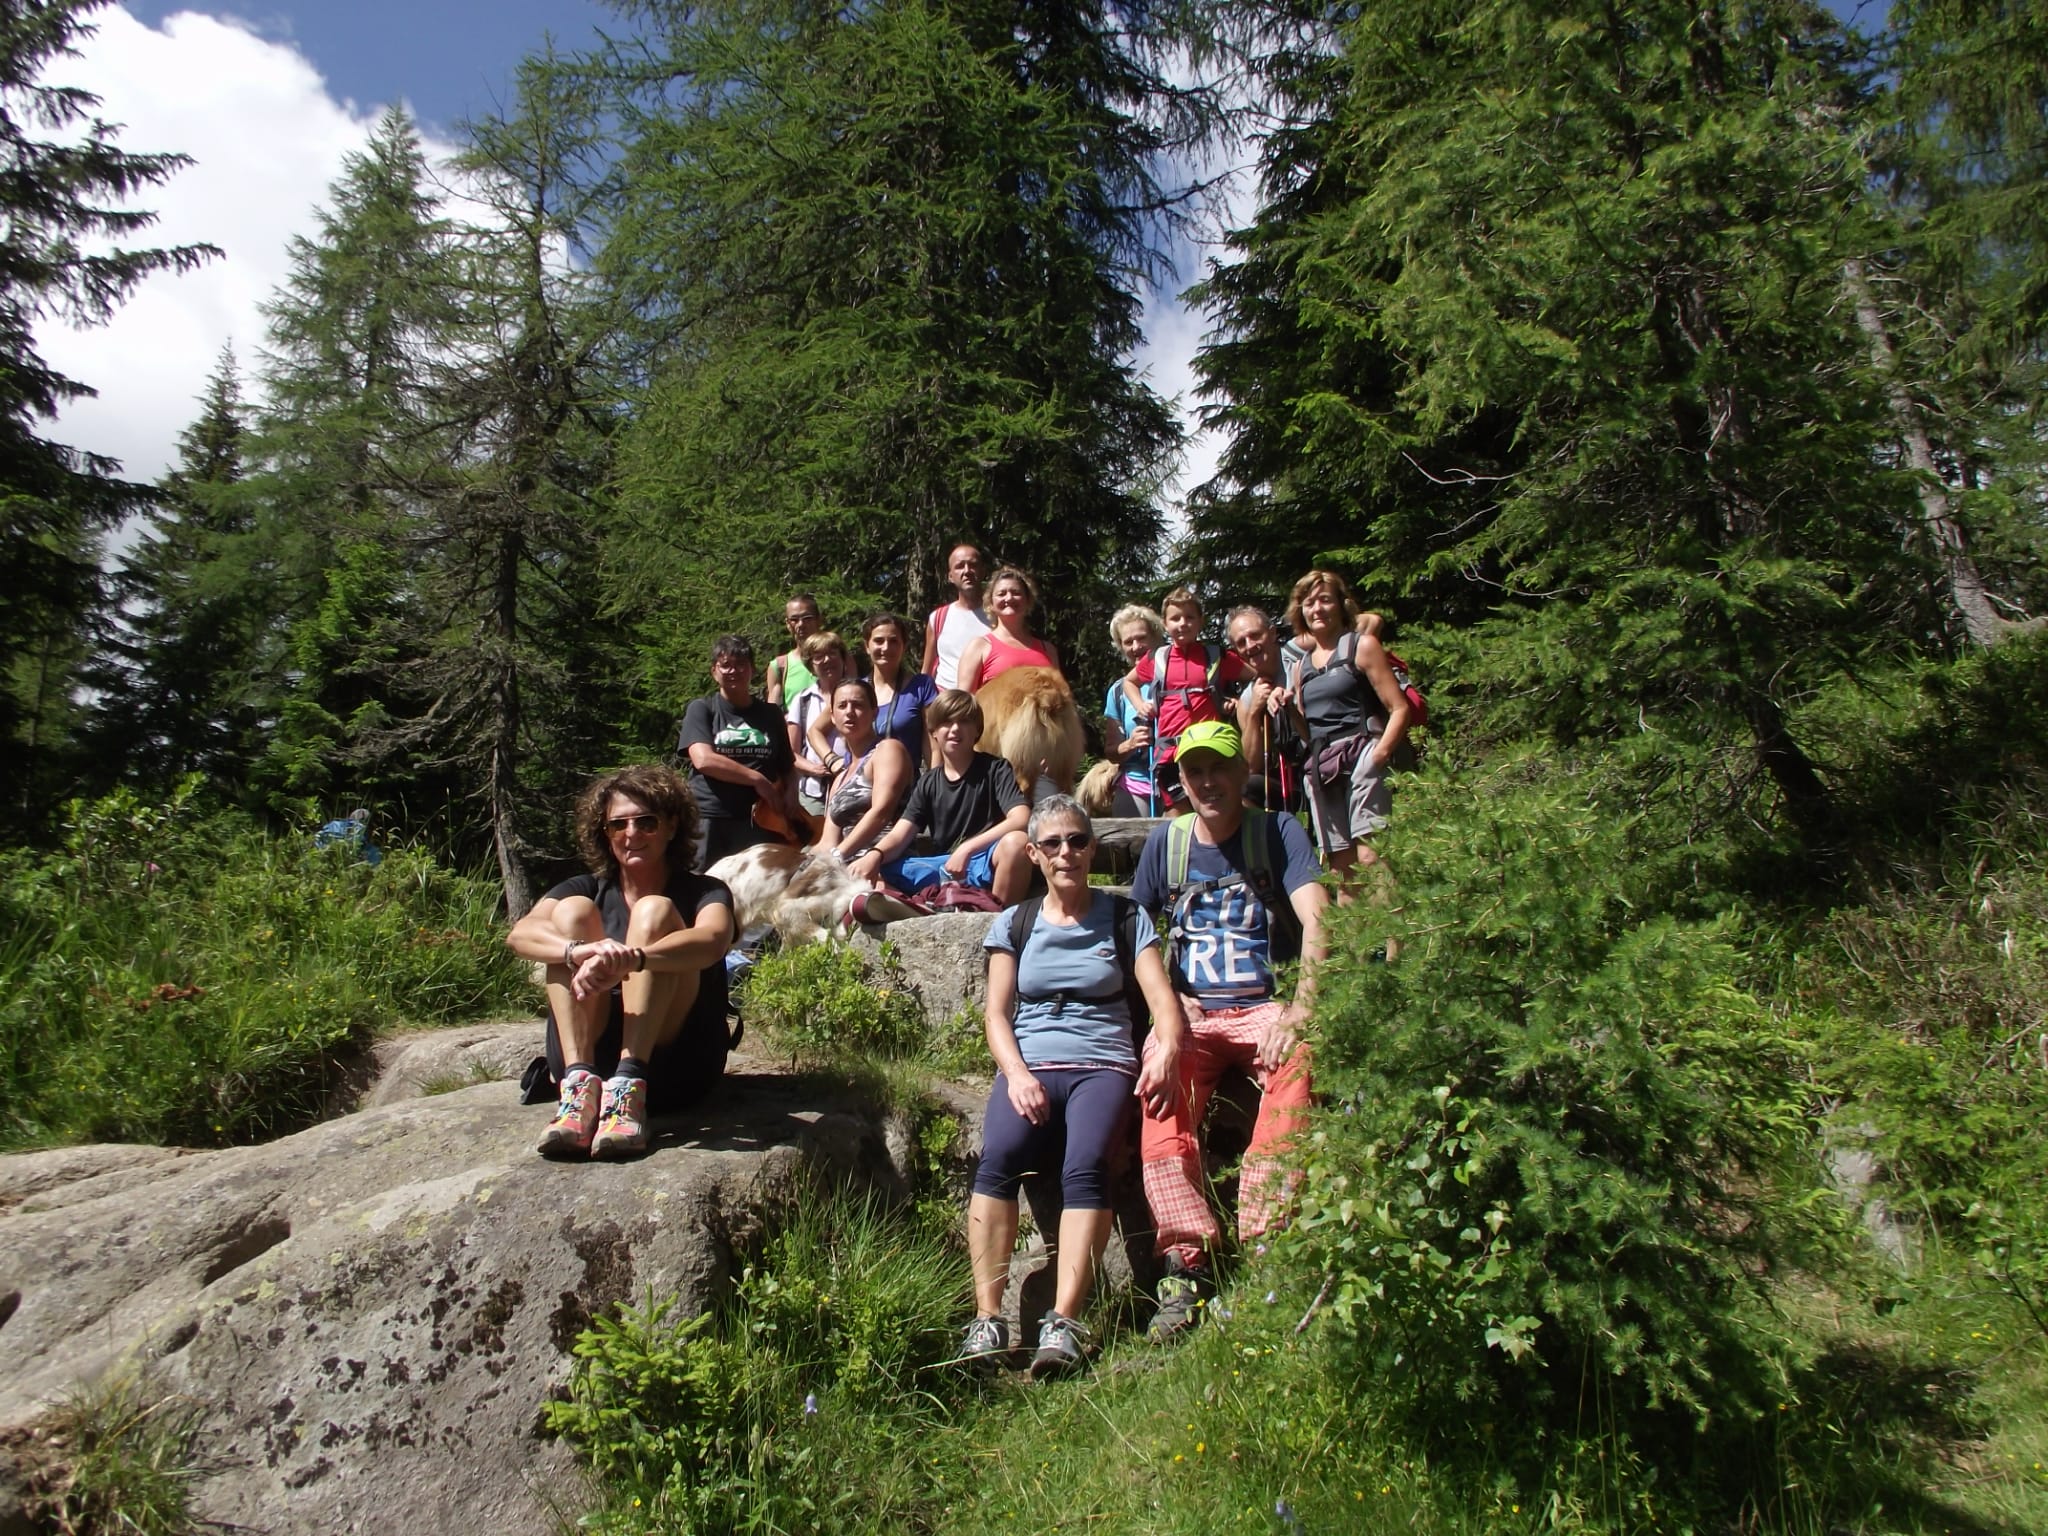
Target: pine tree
[
  {"x": 178, "y": 691},
  {"x": 62, "y": 198},
  {"x": 887, "y": 260},
  {"x": 345, "y": 454},
  {"x": 1570, "y": 309}
]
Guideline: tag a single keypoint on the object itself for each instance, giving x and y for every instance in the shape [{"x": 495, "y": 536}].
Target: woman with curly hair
[{"x": 635, "y": 956}]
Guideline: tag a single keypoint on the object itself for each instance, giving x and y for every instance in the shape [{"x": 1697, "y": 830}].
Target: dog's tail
[{"x": 1097, "y": 793}]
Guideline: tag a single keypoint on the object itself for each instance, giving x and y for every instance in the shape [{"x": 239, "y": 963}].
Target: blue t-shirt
[
  {"x": 902, "y": 718},
  {"x": 1093, "y": 1027},
  {"x": 1224, "y": 953},
  {"x": 1137, "y": 777}
]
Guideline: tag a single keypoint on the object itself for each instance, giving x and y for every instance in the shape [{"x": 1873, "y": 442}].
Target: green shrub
[
  {"x": 116, "y": 1457},
  {"x": 177, "y": 978},
  {"x": 795, "y": 1403},
  {"x": 824, "y": 1001},
  {"x": 1569, "y": 1148}
]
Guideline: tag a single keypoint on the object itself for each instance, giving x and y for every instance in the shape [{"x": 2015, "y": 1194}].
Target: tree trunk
[
  {"x": 1966, "y": 591},
  {"x": 512, "y": 871}
]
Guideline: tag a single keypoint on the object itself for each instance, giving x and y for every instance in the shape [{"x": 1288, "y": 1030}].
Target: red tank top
[{"x": 1003, "y": 656}]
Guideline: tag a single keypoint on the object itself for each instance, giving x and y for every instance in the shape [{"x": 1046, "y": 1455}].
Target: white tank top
[{"x": 961, "y": 628}]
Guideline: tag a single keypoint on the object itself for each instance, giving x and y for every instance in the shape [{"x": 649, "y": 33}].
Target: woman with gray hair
[
  {"x": 1060, "y": 971},
  {"x": 1136, "y": 631}
]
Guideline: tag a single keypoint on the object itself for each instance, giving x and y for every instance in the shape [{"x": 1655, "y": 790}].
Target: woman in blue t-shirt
[{"x": 1067, "y": 1070}]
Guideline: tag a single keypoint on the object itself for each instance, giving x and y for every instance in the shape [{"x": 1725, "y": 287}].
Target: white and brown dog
[{"x": 802, "y": 896}]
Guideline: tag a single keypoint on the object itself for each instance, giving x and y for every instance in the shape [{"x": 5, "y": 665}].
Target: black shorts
[{"x": 683, "y": 1068}]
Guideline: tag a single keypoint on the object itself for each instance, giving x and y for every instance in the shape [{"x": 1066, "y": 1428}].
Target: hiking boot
[
  {"x": 986, "y": 1342},
  {"x": 1184, "y": 1292},
  {"x": 1062, "y": 1347},
  {"x": 622, "y": 1126},
  {"x": 575, "y": 1122}
]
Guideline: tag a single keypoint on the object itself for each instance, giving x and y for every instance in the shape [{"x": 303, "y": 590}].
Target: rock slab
[{"x": 370, "y": 1314}]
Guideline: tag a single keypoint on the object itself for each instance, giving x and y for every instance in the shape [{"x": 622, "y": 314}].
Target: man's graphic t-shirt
[
  {"x": 1223, "y": 952},
  {"x": 754, "y": 736}
]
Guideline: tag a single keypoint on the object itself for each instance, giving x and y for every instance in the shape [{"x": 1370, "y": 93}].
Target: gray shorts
[{"x": 1349, "y": 810}]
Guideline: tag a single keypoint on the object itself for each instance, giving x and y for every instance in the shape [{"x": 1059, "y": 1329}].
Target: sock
[
  {"x": 577, "y": 1066},
  {"x": 629, "y": 1066}
]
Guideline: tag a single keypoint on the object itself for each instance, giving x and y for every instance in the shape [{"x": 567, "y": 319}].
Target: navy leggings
[{"x": 1085, "y": 1112}]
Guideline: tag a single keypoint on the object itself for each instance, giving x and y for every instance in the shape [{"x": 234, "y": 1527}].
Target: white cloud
[{"x": 267, "y": 139}]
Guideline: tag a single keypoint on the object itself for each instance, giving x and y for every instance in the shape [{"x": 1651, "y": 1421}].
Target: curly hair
[
  {"x": 658, "y": 787},
  {"x": 1136, "y": 613}
]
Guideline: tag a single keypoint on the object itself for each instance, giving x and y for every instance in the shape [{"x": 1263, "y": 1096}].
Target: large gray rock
[
  {"x": 943, "y": 960},
  {"x": 372, "y": 1312}
]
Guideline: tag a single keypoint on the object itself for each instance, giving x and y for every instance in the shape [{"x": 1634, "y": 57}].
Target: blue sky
[{"x": 448, "y": 58}]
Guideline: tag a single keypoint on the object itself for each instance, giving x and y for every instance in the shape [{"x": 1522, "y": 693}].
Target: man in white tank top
[{"x": 961, "y": 622}]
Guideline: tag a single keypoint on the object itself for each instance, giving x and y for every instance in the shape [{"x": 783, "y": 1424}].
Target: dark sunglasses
[
  {"x": 1073, "y": 842},
  {"x": 637, "y": 823}
]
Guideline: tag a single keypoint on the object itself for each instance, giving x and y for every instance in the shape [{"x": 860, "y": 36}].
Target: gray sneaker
[
  {"x": 1062, "y": 1347},
  {"x": 1184, "y": 1292},
  {"x": 986, "y": 1341}
]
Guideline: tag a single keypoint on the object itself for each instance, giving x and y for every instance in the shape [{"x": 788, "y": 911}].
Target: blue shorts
[{"x": 924, "y": 871}]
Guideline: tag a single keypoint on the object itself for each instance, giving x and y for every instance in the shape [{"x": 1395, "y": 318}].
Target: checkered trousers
[{"x": 1174, "y": 1186}]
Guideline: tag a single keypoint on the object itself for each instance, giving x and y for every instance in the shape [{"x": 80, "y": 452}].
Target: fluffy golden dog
[
  {"x": 803, "y": 898},
  {"x": 1029, "y": 718}
]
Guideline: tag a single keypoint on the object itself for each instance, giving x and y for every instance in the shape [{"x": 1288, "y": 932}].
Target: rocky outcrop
[
  {"x": 370, "y": 1313},
  {"x": 943, "y": 960}
]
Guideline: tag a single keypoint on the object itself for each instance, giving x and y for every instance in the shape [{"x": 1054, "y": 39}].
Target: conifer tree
[
  {"x": 1566, "y": 319},
  {"x": 62, "y": 198},
  {"x": 179, "y": 691},
  {"x": 345, "y": 453},
  {"x": 886, "y": 261}
]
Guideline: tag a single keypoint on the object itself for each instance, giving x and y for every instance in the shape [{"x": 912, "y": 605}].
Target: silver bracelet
[{"x": 569, "y": 954}]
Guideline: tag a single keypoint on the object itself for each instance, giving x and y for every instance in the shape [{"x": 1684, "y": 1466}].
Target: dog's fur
[
  {"x": 803, "y": 898},
  {"x": 1030, "y": 719},
  {"x": 1097, "y": 793}
]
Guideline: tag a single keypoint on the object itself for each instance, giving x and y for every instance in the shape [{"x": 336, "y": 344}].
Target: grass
[
  {"x": 175, "y": 979},
  {"x": 118, "y": 1457}
]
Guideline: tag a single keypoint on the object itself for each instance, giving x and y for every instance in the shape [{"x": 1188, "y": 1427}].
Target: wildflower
[
  {"x": 1286, "y": 1513},
  {"x": 810, "y": 1402},
  {"x": 1271, "y": 1297}
]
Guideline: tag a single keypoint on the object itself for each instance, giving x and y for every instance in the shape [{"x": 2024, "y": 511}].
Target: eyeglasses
[
  {"x": 637, "y": 823},
  {"x": 1073, "y": 842}
]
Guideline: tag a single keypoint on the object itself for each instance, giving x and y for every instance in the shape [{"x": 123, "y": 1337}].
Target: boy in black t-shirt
[
  {"x": 969, "y": 806},
  {"x": 738, "y": 747}
]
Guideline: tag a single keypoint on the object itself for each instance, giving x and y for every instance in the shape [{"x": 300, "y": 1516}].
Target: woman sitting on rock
[
  {"x": 871, "y": 778},
  {"x": 1059, "y": 1026},
  {"x": 635, "y": 956}
]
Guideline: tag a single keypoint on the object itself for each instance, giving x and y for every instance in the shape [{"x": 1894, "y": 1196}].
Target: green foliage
[
  {"x": 751, "y": 1416},
  {"x": 175, "y": 978},
  {"x": 827, "y": 1001},
  {"x": 117, "y": 1457},
  {"x": 1571, "y": 1146}
]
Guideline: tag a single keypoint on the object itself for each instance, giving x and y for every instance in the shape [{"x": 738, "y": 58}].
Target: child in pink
[{"x": 1195, "y": 675}]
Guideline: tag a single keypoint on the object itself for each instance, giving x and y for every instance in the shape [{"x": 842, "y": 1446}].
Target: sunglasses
[
  {"x": 1073, "y": 842},
  {"x": 637, "y": 823}
]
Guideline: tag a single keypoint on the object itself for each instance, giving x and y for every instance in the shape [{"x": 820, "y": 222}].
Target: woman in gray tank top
[
  {"x": 873, "y": 778},
  {"x": 1356, "y": 716}
]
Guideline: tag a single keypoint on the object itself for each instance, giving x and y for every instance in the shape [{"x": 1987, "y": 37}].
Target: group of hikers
[{"x": 881, "y": 772}]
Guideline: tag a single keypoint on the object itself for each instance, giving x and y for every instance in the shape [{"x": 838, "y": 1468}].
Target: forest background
[{"x": 1670, "y": 374}]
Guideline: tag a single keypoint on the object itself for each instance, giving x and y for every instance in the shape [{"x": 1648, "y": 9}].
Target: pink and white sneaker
[
  {"x": 622, "y": 1127},
  {"x": 569, "y": 1133}
]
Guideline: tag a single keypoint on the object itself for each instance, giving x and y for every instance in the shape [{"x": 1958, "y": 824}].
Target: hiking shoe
[
  {"x": 575, "y": 1122},
  {"x": 622, "y": 1126},
  {"x": 986, "y": 1342},
  {"x": 1062, "y": 1347},
  {"x": 1184, "y": 1291}
]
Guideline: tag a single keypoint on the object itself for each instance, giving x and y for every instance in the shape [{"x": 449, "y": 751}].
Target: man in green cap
[{"x": 1236, "y": 891}]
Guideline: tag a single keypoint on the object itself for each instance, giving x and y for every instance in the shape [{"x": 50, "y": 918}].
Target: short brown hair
[
  {"x": 817, "y": 645},
  {"x": 951, "y": 705},
  {"x": 655, "y": 785},
  {"x": 1339, "y": 589},
  {"x": 1181, "y": 597}
]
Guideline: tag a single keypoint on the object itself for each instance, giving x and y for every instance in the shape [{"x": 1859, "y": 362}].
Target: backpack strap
[{"x": 939, "y": 620}]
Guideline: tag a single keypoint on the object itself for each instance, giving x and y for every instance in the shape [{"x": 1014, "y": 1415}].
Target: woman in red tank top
[{"x": 1011, "y": 597}]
